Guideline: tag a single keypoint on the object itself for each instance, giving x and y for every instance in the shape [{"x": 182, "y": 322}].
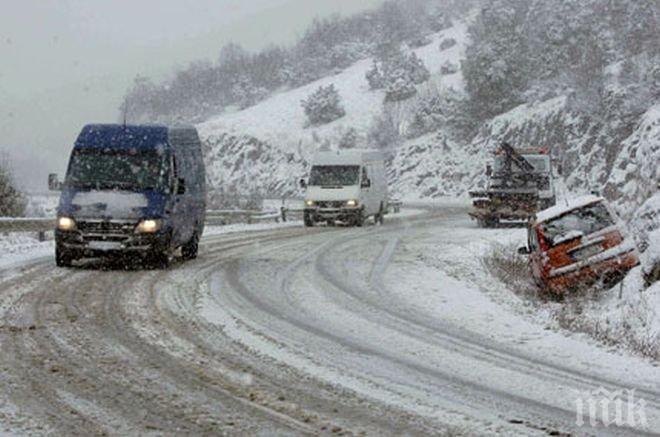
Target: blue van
[{"x": 132, "y": 189}]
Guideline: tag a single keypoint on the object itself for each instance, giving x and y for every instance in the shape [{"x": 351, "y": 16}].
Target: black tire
[
  {"x": 160, "y": 260},
  {"x": 309, "y": 221},
  {"x": 190, "y": 250},
  {"x": 359, "y": 218},
  {"x": 63, "y": 257},
  {"x": 380, "y": 217}
]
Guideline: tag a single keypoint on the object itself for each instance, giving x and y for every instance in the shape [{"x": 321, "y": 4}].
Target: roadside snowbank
[
  {"x": 19, "y": 248},
  {"x": 626, "y": 316}
]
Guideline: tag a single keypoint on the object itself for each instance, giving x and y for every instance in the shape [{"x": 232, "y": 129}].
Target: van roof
[
  {"x": 347, "y": 157},
  {"x": 124, "y": 137}
]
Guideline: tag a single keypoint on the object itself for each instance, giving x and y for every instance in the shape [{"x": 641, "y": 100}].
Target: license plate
[
  {"x": 104, "y": 245},
  {"x": 587, "y": 252}
]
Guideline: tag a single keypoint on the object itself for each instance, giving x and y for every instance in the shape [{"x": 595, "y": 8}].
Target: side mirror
[
  {"x": 181, "y": 186},
  {"x": 303, "y": 183},
  {"x": 489, "y": 170},
  {"x": 524, "y": 250},
  {"x": 366, "y": 183},
  {"x": 54, "y": 183}
]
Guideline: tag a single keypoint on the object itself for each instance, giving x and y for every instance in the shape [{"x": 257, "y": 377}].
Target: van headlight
[
  {"x": 309, "y": 203},
  {"x": 66, "y": 224},
  {"x": 352, "y": 203},
  {"x": 148, "y": 226}
]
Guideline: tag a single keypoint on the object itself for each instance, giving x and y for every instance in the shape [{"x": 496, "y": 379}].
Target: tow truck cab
[
  {"x": 132, "y": 189},
  {"x": 542, "y": 182}
]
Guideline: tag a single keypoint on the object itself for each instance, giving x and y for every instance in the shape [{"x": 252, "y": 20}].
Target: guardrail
[
  {"x": 213, "y": 218},
  {"x": 393, "y": 207}
]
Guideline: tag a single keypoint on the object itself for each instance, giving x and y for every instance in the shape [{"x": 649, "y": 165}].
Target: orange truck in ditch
[{"x": 576, "y": 244}]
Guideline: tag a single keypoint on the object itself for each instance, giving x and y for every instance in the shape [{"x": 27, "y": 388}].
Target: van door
[
  {"x": 367, "y": 192},
  {"x": 197, "y": 188},
  {"x": 380, "y": 195},
  {"x": 178, "y": 212}
]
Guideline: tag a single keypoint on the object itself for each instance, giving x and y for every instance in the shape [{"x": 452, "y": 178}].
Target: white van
[{"x": 347, "y": 185}]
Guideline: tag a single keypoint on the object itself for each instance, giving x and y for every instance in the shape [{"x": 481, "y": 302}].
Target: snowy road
[{"x": 383, "y": 330}]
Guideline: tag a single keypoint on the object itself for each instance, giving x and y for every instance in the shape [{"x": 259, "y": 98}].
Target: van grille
[
  {"x": 331, "y": 204},
  {"x": 105, "y": 228}
]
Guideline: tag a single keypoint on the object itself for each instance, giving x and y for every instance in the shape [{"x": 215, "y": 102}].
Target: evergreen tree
[
  {"x": 417, "y": 70},
  {"x": 323, "y": 105},
  {"x": 12, "y": 201}
]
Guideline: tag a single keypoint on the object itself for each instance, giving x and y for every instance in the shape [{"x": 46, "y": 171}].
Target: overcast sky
[{"x": 66, "y": 63}]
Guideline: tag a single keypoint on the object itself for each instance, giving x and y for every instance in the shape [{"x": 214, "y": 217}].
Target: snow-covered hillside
[
  {"x": 276, "y": 126},
  {"x": 266, "y": 147}
]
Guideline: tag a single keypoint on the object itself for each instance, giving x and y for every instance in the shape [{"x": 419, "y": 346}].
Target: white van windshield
[{"x": 334, "y": 175}]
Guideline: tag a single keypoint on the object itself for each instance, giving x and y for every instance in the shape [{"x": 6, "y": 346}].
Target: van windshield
[
  {"x": 132, "y": 170},
  {"x": 577, "y": 223},
  {"x": 334, "y": 175}
]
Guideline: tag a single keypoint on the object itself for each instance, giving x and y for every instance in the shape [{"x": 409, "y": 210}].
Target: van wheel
[
  {"x": 309, "y": 221},
  {"x": 190, "y": 249},
  {"x": 359, "y": 218},
  {"x": 380, "y": 217},
  {"x": 63, "y": 257},
  {"x": 161, "y": 260}
]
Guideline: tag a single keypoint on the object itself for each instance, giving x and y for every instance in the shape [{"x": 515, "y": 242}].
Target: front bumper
[
  {"x": 320, "y": 214},
  {"x": 94, "y": 238}
]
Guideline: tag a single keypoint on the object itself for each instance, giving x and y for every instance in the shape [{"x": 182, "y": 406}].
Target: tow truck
[{"x": 520, "y": 183}]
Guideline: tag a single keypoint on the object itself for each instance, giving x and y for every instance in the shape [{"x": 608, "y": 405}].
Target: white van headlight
[
  {"x": 309, "y": 203},
  {"x": 352, "y": 203},
  {"x": 66, "y": 224},
  {"x": 148, "y": 226}
]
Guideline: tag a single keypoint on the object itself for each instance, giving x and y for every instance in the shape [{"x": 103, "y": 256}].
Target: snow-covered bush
[
  {"x": 349, "y": 139},
  {"x": 419, "y": 42},
  {"x": 375, "y": 77},
  {"x": 447, "y": 43},
  {"x": 246, "y": 94},
  {"x": 448, "y": 68},
  {"x": 417, "y": 70},
  {"x": 434, "y": 109},
  {"x": 12, "y": 201},
  {"x": 400, "y": 86},
  {"x": 397, "y": 72},
  {"x": 323, "y": 105},
  {"x": 385, "y": 130},
  {"x": 651, "y": 258},
  {"x": 512, "y": 269}
]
